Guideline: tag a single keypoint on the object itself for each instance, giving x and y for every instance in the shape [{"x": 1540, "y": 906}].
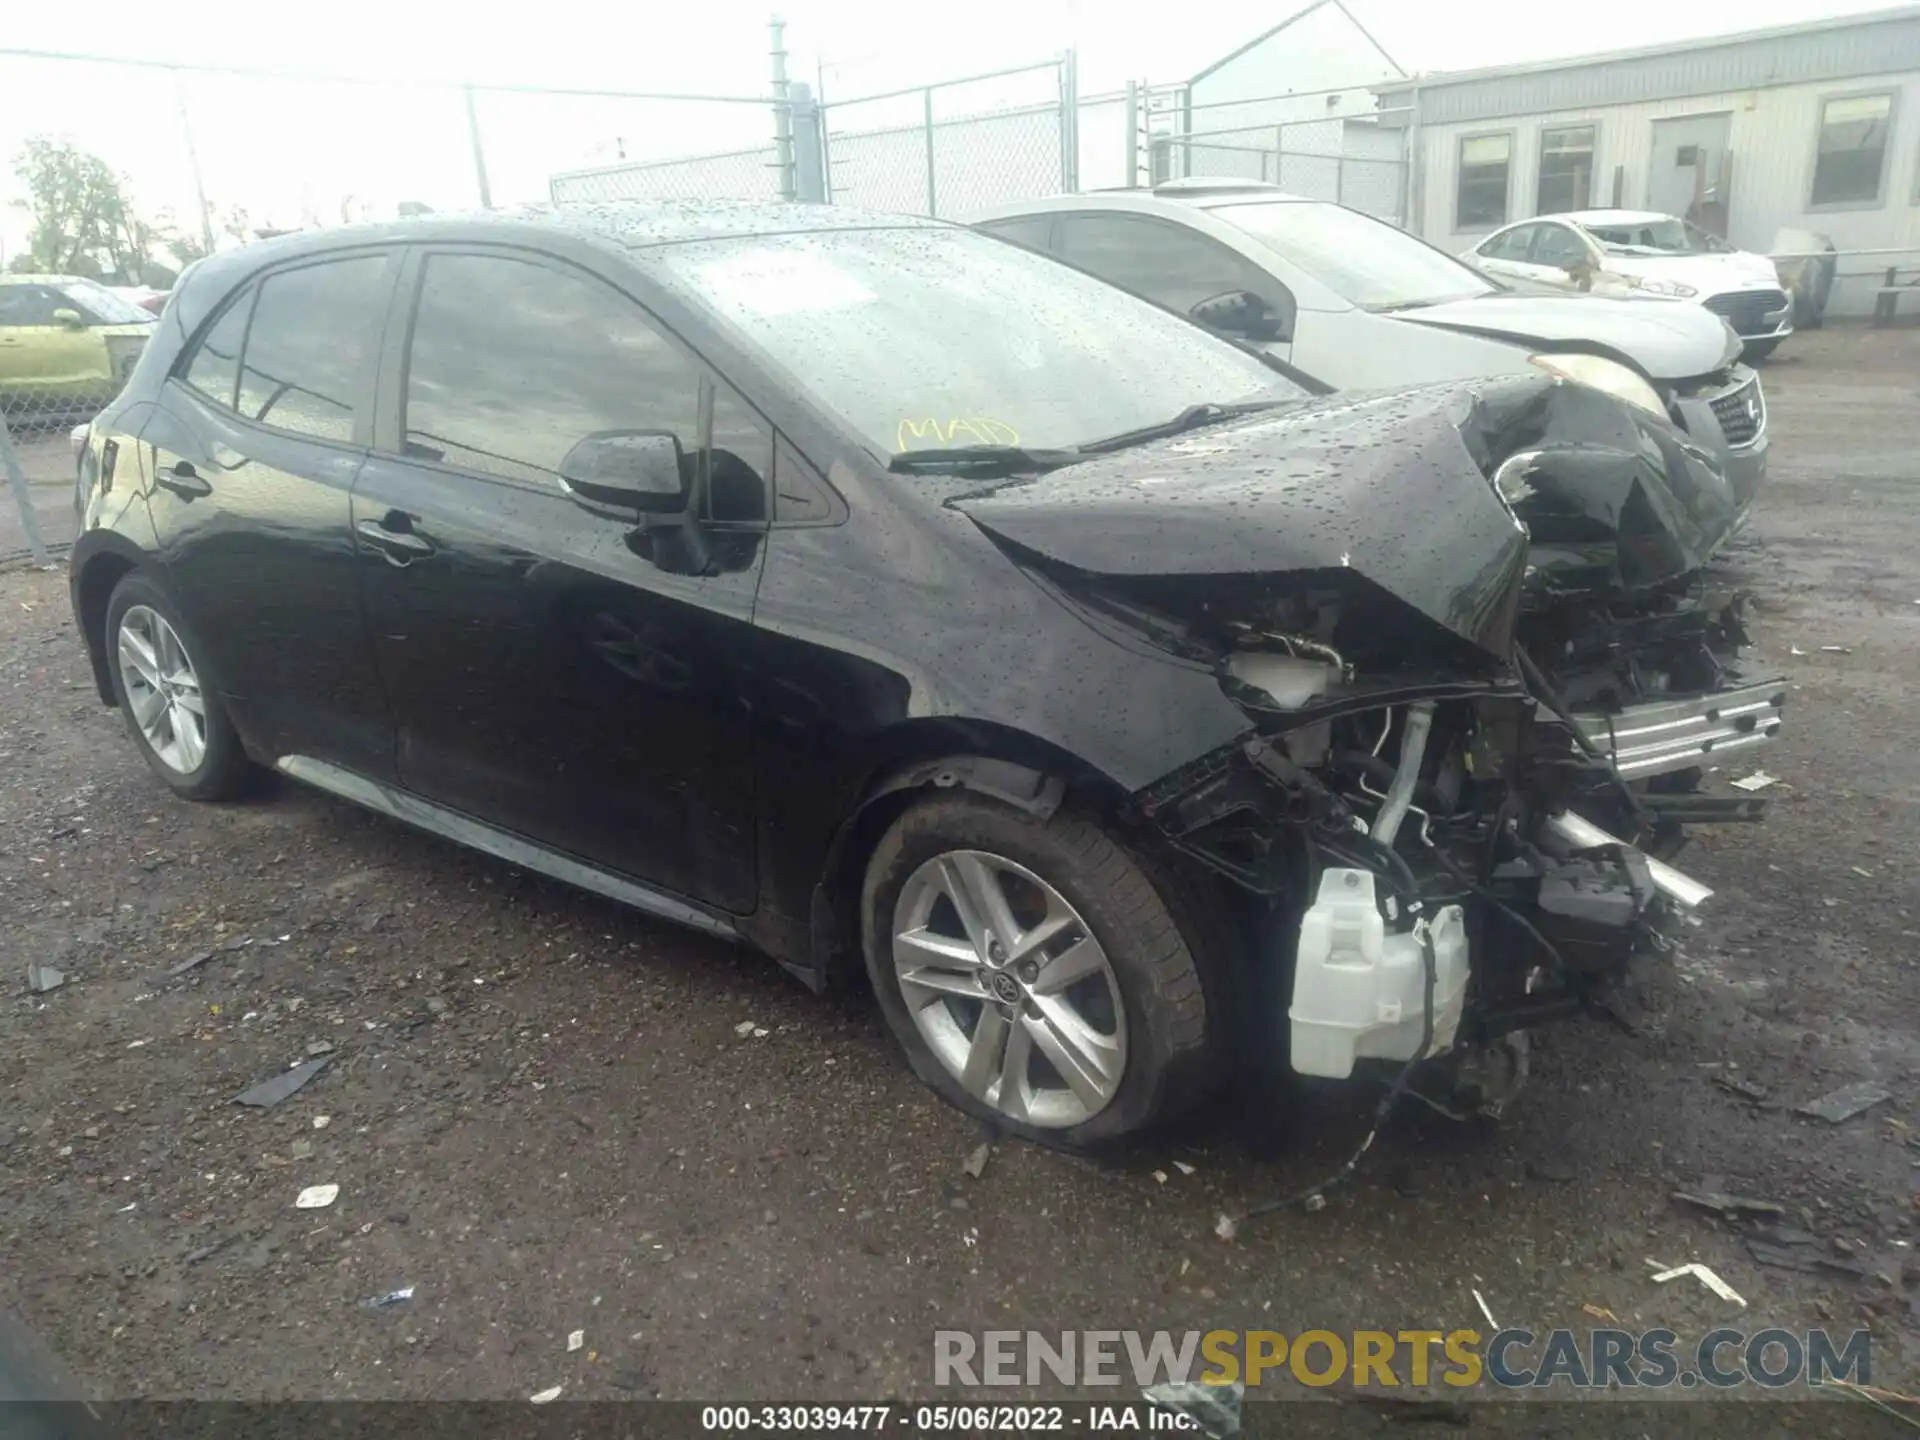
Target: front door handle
[
  {"x": 401, "y": 547},
  {"x": 183, "y": 480}
]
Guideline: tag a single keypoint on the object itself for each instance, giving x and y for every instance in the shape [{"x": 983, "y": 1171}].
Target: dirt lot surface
[{"x": 541, "y": 1113}]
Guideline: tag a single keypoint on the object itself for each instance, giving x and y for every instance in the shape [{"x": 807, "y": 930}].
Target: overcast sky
[{"x": 293, "y": 152}]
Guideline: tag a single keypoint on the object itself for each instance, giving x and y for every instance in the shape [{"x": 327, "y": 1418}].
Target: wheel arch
[
  {"x": 1006, "y": 765},
  {"x": 96, "y": 571}
]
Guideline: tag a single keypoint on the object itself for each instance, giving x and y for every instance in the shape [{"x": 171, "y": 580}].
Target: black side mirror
[
  {"x": 629, "y": 471},
  {"x": 1243, "y": 315}
]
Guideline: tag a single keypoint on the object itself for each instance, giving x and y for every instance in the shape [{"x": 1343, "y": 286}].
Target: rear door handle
[
  {"x": 401, "y": 547},
  {"x": 183, "y": 480}
]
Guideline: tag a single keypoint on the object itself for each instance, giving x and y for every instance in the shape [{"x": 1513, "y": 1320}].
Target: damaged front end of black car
[{"x": 1486, "y": 667}]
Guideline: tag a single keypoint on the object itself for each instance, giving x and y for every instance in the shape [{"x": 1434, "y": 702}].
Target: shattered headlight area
[{"x": 1435, "y": 883}]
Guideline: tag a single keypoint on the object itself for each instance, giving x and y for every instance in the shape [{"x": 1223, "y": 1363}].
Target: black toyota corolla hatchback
[{"x": 871, "y": 591}]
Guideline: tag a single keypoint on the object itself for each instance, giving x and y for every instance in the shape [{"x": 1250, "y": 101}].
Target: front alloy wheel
[
  {"x": 1034, "y": 972},
  {"x": 1009, "y": 988}
]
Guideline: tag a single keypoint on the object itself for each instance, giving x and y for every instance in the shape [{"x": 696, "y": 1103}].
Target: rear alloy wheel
[
  {"x": 174, "y": 716},
  {"x": 162, "y": 690},
  {"x": 1033, "y": 973}
]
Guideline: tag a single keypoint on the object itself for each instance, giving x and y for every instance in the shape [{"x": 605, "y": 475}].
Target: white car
[{"x": 1619, "y": 252}]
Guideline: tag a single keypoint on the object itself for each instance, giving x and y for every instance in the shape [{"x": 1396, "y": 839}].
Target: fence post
[
  {"x": 22, "y": 497},
  {"x": 926, "y": 107},
  {"x": 1069, "y": 79},
  {"x": 809, "y": 144},
  {"x": 782, "y": 111},
  {"x": 479, "y": 149},
  {"x": 1413, "y": 184},
  {"x": 822, "y": 115}
]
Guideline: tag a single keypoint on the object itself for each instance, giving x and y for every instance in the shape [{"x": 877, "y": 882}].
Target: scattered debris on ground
[
  {"x": 316, "y": 1197},
  {"x": 44, "y": 978},
  {"x": 1846, "y": 1102},
  {"x": 1214, "y": 1408},
  {"x": 1705, "y": 1276},
  {"x": 1731, "y": 1207},
  {"x": 976, "y": 1161},
  {"x": 269, "y": 1093},
  {"x": 392, "y": 1297},
  {"x": 545, "y": 1397},
  {"x": 1758, "y": 780}
]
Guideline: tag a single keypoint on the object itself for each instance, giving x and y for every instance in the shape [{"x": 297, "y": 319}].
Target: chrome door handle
[{"x": 401, "y": 547}]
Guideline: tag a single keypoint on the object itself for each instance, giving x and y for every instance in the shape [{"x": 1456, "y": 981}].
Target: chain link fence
[
  {"x": 1356, "y": 157},
  {"x": 957, "y": 146}
]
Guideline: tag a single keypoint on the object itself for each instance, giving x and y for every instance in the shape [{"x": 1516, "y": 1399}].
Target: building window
[
  {"x": 1852, "y": 154},
  {"x": 1480, "y": 201},
  {"x": 1566, "y": 170}
]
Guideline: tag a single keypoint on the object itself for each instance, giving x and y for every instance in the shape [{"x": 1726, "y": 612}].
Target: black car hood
[
  {"x": 1382, "y": 488},
  {"x": 1418, "y": 493}
]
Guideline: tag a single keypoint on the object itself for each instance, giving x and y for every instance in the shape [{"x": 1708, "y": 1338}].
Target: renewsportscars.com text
[{"x": 1508, "y": 1359}]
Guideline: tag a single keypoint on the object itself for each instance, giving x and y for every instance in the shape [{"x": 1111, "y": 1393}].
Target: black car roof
[{"x": 617, "y": 224}]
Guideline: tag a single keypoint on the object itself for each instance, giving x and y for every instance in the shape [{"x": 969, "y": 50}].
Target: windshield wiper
[
  {"x": 980, "y": 460},
  {"x": 1191, "y": 418}
]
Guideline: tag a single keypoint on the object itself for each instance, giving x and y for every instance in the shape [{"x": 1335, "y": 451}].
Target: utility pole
[
  {"x": 193, "y": 162},
  {"x": 782, "y": 112},
  {"x": 479, "y": 150}
]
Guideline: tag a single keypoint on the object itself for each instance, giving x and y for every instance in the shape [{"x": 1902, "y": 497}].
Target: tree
[
  {"x": 81, "y": 213},
  {"x": 187, "y": 246}
]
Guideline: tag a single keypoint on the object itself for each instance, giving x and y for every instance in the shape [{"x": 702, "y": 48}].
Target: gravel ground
[{"x": 541, "y": 1115}]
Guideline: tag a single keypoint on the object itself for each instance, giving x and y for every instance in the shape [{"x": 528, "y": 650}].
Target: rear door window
[
  {"x": 29, "y": 304},
  {"x": 1557, "y": 245},
  {"x": 312, "y": 331},
  {"x": 1510, "y": 245},
  {"x": 1162, "y": 262}
]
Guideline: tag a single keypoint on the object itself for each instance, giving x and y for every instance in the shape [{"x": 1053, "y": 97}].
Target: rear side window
[
  {"x": 311, "y": 331},
  {"x": 1031, "y": 231},
  {"x": 215, "y": 368},
  {"x": 513, "y": 363}
]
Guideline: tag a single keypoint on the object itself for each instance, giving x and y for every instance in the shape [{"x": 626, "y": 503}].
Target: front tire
[
  {"x": 1756, "y": 352},
  {"x": 1034, "y": 974},
  {"x": 175, "y": 716}
]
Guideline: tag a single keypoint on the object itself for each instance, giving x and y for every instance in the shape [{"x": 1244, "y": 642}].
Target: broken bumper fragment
[{"x": 1658, "y": 737}]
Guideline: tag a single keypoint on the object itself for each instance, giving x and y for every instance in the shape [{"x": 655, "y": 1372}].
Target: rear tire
[
  {"x": 1756, "y": 352},
  {"x": 170, "y": 707},
  {"x": 1067, "y": 1007}
]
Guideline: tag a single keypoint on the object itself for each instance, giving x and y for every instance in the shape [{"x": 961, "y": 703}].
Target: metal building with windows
[{"x": 1812, "y": 127}]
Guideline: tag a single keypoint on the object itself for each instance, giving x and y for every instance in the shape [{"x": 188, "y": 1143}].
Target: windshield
[
  {"x": 107, "y": 307},
  {"x": 1654, "y": 237},
  {"x": 1363, "y": 260},
  {"x": 935, "y": 339}
]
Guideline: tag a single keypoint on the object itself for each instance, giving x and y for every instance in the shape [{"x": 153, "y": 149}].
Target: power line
[{"x": 260, "y": 73}]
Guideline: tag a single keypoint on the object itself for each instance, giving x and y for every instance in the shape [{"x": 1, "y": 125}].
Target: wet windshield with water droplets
[{"x": 939, "y": 339}]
